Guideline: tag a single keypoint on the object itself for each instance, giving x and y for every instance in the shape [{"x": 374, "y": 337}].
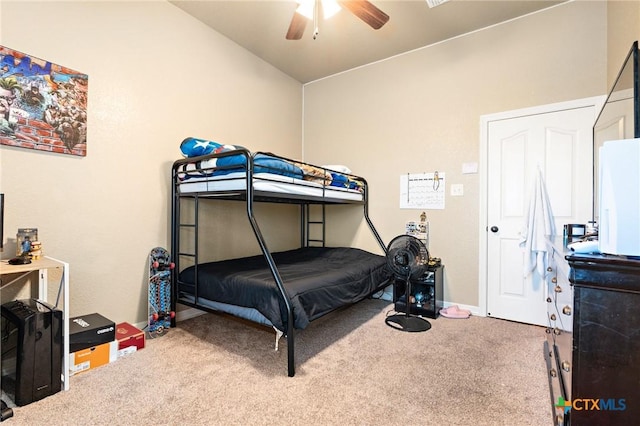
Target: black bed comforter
[{"x": 317, "y": 279}]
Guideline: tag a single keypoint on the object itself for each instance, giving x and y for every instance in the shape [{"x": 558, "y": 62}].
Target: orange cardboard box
[
  {"x": 86, "y": 359},
  {"x": 129, "y": 336}
]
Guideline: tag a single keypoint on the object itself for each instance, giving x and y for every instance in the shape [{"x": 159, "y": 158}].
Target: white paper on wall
[{"x": 422, "y": 191}]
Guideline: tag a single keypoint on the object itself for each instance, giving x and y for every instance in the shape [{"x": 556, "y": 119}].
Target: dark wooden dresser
[{"x": 604, "y": 373}]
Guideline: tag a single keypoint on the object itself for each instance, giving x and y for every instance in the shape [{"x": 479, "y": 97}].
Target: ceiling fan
[{"x": 309, "y": 9}]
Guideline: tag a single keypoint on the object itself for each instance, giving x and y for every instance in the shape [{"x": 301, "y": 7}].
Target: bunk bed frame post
[
  {"x": 324, "y": 225},
  {"x": 175, "y": 216},
  {"x": 368, "y": 219},
  {"x": 304, "y": 228},
  {"x": 196, "y": 241},
  {"x": 272, "y": 265}
]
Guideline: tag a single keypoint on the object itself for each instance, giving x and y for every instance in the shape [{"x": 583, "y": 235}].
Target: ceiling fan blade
[
  {"x": 297, "y": 26},
  {"x": 366, "y": 11}
]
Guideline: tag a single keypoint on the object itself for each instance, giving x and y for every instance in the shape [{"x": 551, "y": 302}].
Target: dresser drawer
[{"x": 559, "y": 293}]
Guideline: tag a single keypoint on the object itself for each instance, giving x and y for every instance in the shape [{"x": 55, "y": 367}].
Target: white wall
[
  {"x": 420, "y": 112},
  {"x": 623, "y": 28},
  {"x": 156, "y": 76}
]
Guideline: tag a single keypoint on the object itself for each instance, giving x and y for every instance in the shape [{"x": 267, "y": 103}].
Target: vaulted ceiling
[{"x": 344, "y": 41}]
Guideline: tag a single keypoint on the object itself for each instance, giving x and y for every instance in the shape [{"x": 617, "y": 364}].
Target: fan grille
[{"x": 407, "y": 257}]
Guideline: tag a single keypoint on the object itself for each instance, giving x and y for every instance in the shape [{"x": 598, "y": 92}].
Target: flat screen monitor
[{"x": 619, "y": 118}]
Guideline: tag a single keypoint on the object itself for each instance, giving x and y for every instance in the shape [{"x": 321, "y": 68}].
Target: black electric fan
[{"x": 408, "y": 258}]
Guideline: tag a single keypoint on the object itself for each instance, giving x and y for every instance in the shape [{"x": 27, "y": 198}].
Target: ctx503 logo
[{"x": 592, "y": 404}]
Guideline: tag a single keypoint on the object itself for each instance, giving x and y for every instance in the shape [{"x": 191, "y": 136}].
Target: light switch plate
[{"x": 457, "y": 189}]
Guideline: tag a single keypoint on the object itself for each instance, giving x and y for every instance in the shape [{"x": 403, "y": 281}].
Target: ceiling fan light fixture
[
  {"x": 330, "y": 8},
  {"x": 309, "y": 10},
  {"x": 306, "y": 8}
]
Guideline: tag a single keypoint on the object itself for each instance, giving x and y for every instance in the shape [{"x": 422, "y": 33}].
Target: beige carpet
[{"x": 352, "y": 369}]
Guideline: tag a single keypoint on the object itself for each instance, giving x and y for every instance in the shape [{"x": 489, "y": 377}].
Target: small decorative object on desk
[
  {"x": 36, "y": 250},
  {"x": 27, "y": 241},
  {"x": 420, "y": 230}
]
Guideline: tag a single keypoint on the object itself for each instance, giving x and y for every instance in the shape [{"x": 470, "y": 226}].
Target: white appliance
[{"x": 619, "y": 228}]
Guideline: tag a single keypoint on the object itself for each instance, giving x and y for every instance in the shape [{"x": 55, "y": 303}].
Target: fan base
[{"x": 407, "y": 323}]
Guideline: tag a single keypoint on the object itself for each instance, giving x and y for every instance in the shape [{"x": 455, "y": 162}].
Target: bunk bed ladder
[
  {"x": 193, "y": 224},
  {"x": 177, "y": 249},
  {"x": 307, "y": 223}
]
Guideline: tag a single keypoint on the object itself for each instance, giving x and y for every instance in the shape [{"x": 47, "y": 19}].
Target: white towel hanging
[{"x": 539, "y": 227}]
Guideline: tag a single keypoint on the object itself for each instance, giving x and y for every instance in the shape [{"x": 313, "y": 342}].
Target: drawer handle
[
  {"x": 554, "y": 280},
  {"x": 566, "y": 366},
  {"x": 558, "y": 289},
  {"x": 549, "y": 269},
  {"x": 553, "y": 372},
  {"x": 566, "y": 310},
  {"x": 553, "y": 317},
  {"x": 549, "y": 300},
  {"x": 548, "y": 330},
  {"x": 556, "y": 331}
]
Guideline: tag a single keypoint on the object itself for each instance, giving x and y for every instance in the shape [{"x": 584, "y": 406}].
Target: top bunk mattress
[
  {"x": 267, "y": 183},
  {"x": 215, "y": 169},
  {"x": 318, "y": 280}
]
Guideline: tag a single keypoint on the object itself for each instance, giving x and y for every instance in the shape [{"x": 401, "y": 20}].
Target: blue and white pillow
[{"x": 194, "y": 147}]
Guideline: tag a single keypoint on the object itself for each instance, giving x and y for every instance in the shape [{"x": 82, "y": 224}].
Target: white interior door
[{"x": 559, "y": 144}]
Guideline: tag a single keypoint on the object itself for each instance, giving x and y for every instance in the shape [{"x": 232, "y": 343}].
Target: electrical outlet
[{"x": 457, "y": 190}]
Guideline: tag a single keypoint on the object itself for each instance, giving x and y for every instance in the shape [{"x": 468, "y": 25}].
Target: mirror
[{"x": 619, "y": 117}]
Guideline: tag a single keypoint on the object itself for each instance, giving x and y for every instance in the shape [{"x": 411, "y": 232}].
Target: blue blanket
[
  {"x": 343, "y": 181},
  {"x": 193, "y": 147}
]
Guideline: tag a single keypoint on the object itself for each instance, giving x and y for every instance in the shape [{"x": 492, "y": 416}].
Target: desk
[{"x": 42, "y": 266}]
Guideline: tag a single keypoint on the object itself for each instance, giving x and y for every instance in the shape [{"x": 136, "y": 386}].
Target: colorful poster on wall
[{"x": 43, "y": 106}]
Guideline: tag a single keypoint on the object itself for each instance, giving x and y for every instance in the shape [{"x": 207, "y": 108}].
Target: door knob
[{"x": 494, "y": 229}]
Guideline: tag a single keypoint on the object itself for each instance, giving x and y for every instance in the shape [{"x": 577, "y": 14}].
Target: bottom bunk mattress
[{"x": 318, "y": 280}]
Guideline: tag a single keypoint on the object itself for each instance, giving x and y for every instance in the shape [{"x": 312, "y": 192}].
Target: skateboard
[{"x": 160, "y": 313}]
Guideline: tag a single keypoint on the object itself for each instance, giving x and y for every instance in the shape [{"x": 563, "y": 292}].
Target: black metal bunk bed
[{"x": 250, "y": 179}]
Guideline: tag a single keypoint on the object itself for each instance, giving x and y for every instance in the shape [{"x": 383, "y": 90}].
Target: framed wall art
[{"x": 43, "y": 106}]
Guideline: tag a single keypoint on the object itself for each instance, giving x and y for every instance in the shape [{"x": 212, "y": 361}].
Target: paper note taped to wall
[{"x": 422, "y": 191}]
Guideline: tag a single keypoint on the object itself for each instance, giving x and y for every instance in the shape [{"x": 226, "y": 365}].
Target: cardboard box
[
  {"x": 86, "y": 359},
  {"x": 91, "y": 330},
  {"x": 129, "y": 336}
]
